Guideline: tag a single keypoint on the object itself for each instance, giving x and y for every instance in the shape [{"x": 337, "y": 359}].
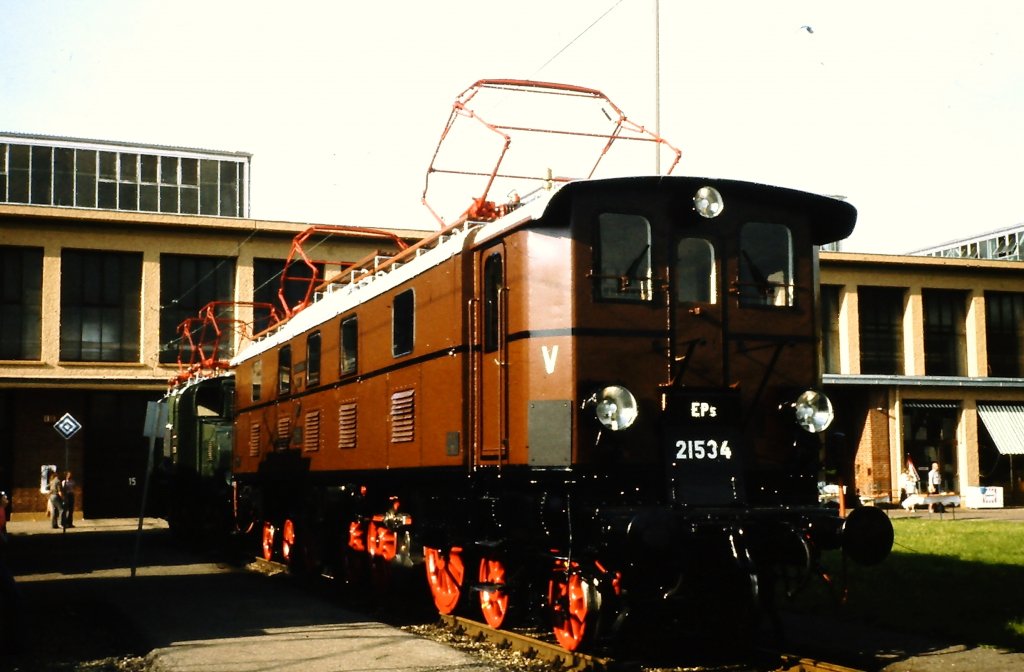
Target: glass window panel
[
  {"x": 168, "y": 199},
  {"x": 148, "y": 197},
  {"x": 42, "y": 174},
  {"x": 766, "y": 265},
  {"x": 189, "y": 201},
  {"x": 695, "y": 271},
  {"x": 100, "y": 306},
  {"x": 313, "y": 359},
  {"x": 168, "y": 170},
  {"x": 147, "y": 168},
  {"x": 881, "y": 329},
  {"x": 624, "y": 263},
  {"x": 284, "y": 370},
  {"x": 187, "y": 283},
  {"x": 17, "y": 173},
  {"x": 127, "y": 196},
  {"x": 945, "y": 332},
  {"x": 108, "y": 165},
  {"x": 830, "y": 328},
  {"x": 85, "y": 178},
  {"x": 1004, "y": 333},
  {"x": 190, "y": 172},
  {"x": 63, "y": 176},
  {"x": 493, "y": 285},
  {"x": 257, "y": 379},
  {"x": 128, "y": 167},
  {"x": 349, "y": 345},
  {"x": 208, "y": 192},
  {"x": 229, "y": 189},
  {"x": 21, "y": 275},
  {"x": 106, "y": 195},
  {"x": 402, "y": 323}
]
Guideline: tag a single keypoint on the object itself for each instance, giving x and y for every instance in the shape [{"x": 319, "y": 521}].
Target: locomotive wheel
[
  {"x": 574, "y": 605},
  {"x": 445, "y": 575},
  {"x": 288, "y": 541},
  {"x": 494, "y": 599},
  {"x": 382, "y": 542},
  {"x": 267, "y": 540}
]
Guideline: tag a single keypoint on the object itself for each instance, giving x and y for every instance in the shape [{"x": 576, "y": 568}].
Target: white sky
[{"x": 911, "y": 109}]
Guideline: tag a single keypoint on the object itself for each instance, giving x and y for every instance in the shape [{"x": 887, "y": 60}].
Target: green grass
[{"x": 958, "y": 580}]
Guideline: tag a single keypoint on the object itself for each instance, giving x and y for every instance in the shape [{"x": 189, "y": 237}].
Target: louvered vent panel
[
  {"x": 254, "y": 440},
  {"x": 403, "y": 416},
  {"x": 284, "y": 432},
  {"x": 311, "y": 431},
  {"x": 347, "y": 426}
]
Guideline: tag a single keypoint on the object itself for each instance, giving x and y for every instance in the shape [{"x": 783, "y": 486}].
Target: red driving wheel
[
  {"x": 267, "y": 540},
  {"x": 288, "y": 540},
  {"x": 494, "y": 596},
  {"x": 445, "y": 575},
  {"x": 573, "y": 604}
]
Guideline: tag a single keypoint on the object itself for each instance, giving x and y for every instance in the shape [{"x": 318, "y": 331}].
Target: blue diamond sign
[{"x": 67, "y": 426}]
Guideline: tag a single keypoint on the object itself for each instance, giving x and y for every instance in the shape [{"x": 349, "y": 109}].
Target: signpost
[{"x": 67, "y": 427}]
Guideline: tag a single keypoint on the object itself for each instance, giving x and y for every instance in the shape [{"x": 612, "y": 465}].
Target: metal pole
[{"x": 657, "y": 84}]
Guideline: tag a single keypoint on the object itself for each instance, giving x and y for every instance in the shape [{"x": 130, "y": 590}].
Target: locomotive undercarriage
[{"x": 587, "y": 554}]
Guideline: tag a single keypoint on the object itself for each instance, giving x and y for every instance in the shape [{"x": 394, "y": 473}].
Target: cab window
[
  {"x": 313, "y": 359},
  {"x": 696, "y": 277},
  {"x": 766, "y": 265},
  {"x": 624, "y": 258},
  {"x": 349, "y": 345}
]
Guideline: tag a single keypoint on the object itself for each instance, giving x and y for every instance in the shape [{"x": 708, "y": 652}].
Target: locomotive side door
[{"x": 490, "y": 346}]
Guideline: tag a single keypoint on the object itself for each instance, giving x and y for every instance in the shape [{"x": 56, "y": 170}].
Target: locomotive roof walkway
[{"x": 185, "y": 613}]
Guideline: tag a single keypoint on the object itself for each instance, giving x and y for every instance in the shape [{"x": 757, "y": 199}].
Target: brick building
[{"x": 924, "y": 358}]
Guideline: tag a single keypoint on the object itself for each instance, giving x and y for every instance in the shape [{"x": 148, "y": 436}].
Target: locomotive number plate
[{"x": 703, "y": 449}]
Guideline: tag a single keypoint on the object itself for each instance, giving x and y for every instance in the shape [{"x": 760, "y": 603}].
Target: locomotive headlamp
[
  {"x": 615, "y": 407},
  {"x": 813, "y": 411},
  {"x": 708, "y": 202}
]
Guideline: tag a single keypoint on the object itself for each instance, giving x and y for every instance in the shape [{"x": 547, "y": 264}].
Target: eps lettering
[
  {"x": 702, "y": 409},
  {"x": 703, "y": 449}
]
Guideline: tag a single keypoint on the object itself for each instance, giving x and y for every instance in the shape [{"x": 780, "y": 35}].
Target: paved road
[{"x": 80, "y": 603}]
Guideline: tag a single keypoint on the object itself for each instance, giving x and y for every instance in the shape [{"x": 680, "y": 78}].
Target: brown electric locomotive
[{"x": 597, "y": 400}]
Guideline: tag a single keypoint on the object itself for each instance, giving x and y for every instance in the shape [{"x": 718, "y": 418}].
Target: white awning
[{"x": 1005, "y": 423}]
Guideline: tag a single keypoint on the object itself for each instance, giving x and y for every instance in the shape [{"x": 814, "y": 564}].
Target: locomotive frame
[{"x": 595, "y": 402}]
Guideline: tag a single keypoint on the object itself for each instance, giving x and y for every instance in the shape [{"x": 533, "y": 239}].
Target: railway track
[
  {"x": 560, "y": 659},
  {"x": 546, "y": 655}
]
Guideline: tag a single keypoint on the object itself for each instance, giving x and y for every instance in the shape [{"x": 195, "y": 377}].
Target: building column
[
  {"x": 967, "y": 447},
  {"x": 149, "y": 320},
  {"x": 849, "y": 334},
  {"x": 977, "y": 338},
  {"x": 50, "y": 318},
  {"x": 913, "y": 333}
]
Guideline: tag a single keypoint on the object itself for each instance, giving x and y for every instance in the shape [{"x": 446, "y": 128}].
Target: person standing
[
  {"x": 934, "y": 479},
  {"x": 67, "y": 488},
  {"x": 56, "y": 500}
]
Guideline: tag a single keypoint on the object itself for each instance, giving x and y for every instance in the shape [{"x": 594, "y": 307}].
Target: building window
[
  {"x": 403, "y": 322},
  {"x": 881, "y": 329},
  {"x": 1004, "y": 329},
  {"x": 313, "y": 359},
  {"x": 267, "y": 286},
  {"x": 21, "y": 301},
  {"x": 696, "y": 277},
  {"x": 624, "y": 257},
  {"x": 830, "y": 328},
  {"x": 187, "y": 283},
  {"x": 349, "y": 345},
  {"x": 112, "y": 180},
  {"x": 945, "y": 332},
  {"x": 284, "y": 370},
  {"x": 100, "y": 298}
]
